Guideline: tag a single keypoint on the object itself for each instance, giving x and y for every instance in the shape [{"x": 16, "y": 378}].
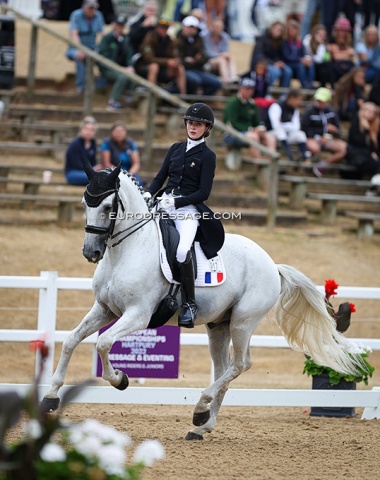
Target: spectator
[
  {"x": 118, "y": 147},
  {"x": 84, "y": 145},
  {"x": 374, "y": 94},
  {"x": 343, "y": 55},
  {"x": 86, "y": 24},
  {"x": 195, "y": 60},
  {"x": 260, "y": 77},
  {"x": 214, "y": 9},
  {"x": 330, "y": 10},
  {"x": 146, "y": 22},
  {"x": 179, "y": 5},
  {"x": 116, "y": 47},
  {"x": 321, "y": 124},
  {"x": 285, "y": 124},
  {"x": 310, "y": 8},
  {"x": 315, "y": 44},
  {"x": 349, "y": 94},
  {"x": 368, "y": 53},
  {"x": 371, "y": 12},
  {"x": 160, "y": 61},
  {"x": 217, "y": 47},
  {"x": 364, "y": 143},
  {"x": 269, "y": 47},
  {"x": 200, "y": 15},
  {"x": 241, "y": 112},
  {"x": 294, "y": 56}
]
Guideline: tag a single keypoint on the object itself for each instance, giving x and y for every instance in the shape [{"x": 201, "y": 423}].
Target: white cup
[{"x": 46, "y": 176}]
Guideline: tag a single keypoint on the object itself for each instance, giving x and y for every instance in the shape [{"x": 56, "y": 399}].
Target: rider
[{"x": 189, "y": 168}]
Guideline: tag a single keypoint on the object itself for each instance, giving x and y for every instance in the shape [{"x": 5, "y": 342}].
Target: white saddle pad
[{"x": 210, "y": 272}]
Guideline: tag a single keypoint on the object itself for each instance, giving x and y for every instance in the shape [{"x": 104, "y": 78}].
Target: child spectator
[
  {"x": 368, "y": 53},
  {"x": 343, "y": 55},
  {"x": 293, "y": 52},
  {"x": 349, "y": 93},
  {"x": 316, "y": 47},
  {"x": 269, "y": 47}
]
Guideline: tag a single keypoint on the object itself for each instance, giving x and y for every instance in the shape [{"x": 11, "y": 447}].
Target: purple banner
[{"x": 150, "y": 353}]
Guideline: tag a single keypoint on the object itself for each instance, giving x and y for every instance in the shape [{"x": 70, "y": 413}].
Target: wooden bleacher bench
[
  {"x": 31, "y": 185},
  {"x": 7, "y": 168},
  {"x": 329, "y": 202},
  {"x": 65, "y": 204},
  {"x": 298, "y": 186},
  {"x": 366, "y": 221},
  {"x": 50, "y": 149}
]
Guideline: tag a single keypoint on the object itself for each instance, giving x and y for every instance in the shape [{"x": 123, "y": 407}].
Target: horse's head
[{"x": 100, "y": 199}]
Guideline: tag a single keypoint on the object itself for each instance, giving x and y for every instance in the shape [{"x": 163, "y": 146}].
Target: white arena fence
[{"x": 48, "y": 284}]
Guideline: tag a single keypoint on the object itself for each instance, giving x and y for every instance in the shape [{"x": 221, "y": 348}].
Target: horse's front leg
[
  {"x": 132, "y": 320},
  {"x": 95, "y": 319}
]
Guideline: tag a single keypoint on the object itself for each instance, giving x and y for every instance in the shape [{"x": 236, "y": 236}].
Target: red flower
[
  {"x": 352, "y": 308},
  {"x": 40, "y": 346},
  {"x": 330, "y": 288}
]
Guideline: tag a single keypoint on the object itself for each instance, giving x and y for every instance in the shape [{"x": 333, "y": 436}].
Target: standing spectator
[
  {"x": 330, "y": 10},
  {"x": 241, "y": 112},
  {"x": 349, "y": 94},
  {"x": 179, "y": 4},
  {"x": 86, "y": 24},
  {"x": 195, "y": 59},
  {"x": 371, "y": 11},
  {"x": 315, "y": 44},
  {"x": 214, "y": 9},
  {"x": 311, "y": 7},
  {"x": 321, "y": 124},
  {"x": 217, "y": 48},
  {"x": 368, "y": 53},
  {"x": 363, "y": 150},
  {"x": 285, "y": 124},
  {"x": 269, "y": 47},
  {"x": 343, "y": 55},
  {"x": 118, "y": 147},
  {"x": 294, "y": 56},
  {"x": 83, "y": 145},
  {"x": 116, "y": 47},
  {"x": 145, "y": 22},
  {"x": 160, "y": 61}
]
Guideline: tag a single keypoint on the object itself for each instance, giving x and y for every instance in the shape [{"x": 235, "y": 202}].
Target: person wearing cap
[
  {"x": 115, "y": 46},
  {"x": 159, "y": 60},
  {"x": 86, "y": 26},
  {"x": 343, "y": 55},
  {"x": 195, "y": 60},
  {"x": 242, "y": 113},
  {"x": 145, "y": 22},
  {"x": 182, "y": 185},
  {"x": 321, "y": 124}
]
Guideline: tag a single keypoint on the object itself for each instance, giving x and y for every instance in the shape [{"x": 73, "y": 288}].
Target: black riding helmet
[{"x": 200, "y": 112}]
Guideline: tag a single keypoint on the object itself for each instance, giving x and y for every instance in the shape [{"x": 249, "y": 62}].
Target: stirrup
[{"x": 189, "y": 314}]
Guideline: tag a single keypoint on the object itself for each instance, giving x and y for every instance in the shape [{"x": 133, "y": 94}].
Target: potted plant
[
  {"x": 53, "y": 449},
  {"x": 326, "y": 378}
]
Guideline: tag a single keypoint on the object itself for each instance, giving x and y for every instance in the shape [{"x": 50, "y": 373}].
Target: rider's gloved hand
[
  {"x": 166, "y": 203},
  {"x": 147, "y": 197}
]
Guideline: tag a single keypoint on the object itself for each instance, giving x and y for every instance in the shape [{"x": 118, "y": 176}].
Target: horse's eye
[{"x": 107, "y": 208}]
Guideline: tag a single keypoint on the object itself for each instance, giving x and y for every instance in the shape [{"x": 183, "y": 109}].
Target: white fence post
[{"x": 47, "y": 317}]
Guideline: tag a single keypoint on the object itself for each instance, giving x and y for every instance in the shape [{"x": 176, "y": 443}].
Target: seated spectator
[
  {"x": 160, "y": 61},
  {"x": 349, "y": 93},
  {"x": 118, "y": 147},
  {"x": 368, "y": 53},
  {"x": 316, "y": 46},
  {"x": 343, "y": 55},
  {"x": 295, "y": 57},
  {"x": 84, "y": 145},
  {"x": 321, "y": 124},
  {"x": 116, "y": 47},
  {"x": 145, "y": 22},
  {"x": 217, "y": 48},
  {"x": 195, "y": 60},
  {"x": 363, "y": 150},
  {"x": 199, "y": 13},
  {"x": 374, "y": 93},
  {"x": 269, "y": 47},
  {"x": 285, "y": 124},
  {"x": 242, "y": 114},
  {"x": 260, "y": 77},
  {"x": 86, "y": 24}
]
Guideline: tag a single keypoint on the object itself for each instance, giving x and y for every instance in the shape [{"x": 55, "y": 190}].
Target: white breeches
[
  {"x": 187, "y": 228},
  {"x": 292, "y": 136}
]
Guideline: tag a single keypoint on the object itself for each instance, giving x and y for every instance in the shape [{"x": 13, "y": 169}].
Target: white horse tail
[{"x": 303, "y": 318}]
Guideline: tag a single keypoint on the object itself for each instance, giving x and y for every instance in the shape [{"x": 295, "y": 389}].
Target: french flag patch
[{"x": 213, "y": 277}]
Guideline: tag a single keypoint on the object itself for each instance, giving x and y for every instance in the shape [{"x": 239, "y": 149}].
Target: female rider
[{"x": 189, "y": 168}]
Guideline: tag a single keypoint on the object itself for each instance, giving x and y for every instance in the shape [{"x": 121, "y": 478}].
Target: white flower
[
  {"x": 148, "y": 452},
  {"x": 51, "y": 452},
  {"x": 112, "y": 459},
  {"x": 89, "y": 446},
  {"x": 33, "y": 429},
  {"x": 103, "y": 433}
]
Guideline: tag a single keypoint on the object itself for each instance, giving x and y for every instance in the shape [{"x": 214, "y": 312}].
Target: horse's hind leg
[
  {"x": 96, "y": 318},
  {"x": 207, "y": 408}
]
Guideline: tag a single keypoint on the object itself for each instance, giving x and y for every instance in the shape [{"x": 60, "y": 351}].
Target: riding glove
[{"x": 166, "y": 203}]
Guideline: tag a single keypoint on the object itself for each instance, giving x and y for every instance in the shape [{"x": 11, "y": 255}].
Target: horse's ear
[
  {"x": 87, "y": 167},
  {"x": 114, "y": 174}
]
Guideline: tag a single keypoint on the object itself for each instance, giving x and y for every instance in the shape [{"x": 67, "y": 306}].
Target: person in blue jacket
[{"x": 83, "y": 145}]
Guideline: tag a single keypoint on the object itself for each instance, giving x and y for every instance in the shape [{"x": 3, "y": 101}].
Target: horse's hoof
[
  {"x": 193, "y": 436},
  {"x": 201, "y": 418},
  {"x": 49, "y": 404},
  {"x": 124, "y": 382}
]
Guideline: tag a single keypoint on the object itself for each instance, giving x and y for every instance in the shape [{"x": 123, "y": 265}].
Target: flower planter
[{"x": 322, "y": 382}]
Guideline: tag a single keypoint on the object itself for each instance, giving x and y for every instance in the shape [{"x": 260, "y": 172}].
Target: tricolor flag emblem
[{"x": 213, "y": 277}]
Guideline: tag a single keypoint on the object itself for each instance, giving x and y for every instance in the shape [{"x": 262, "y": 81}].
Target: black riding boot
[{"x": 189, "y": 308}]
